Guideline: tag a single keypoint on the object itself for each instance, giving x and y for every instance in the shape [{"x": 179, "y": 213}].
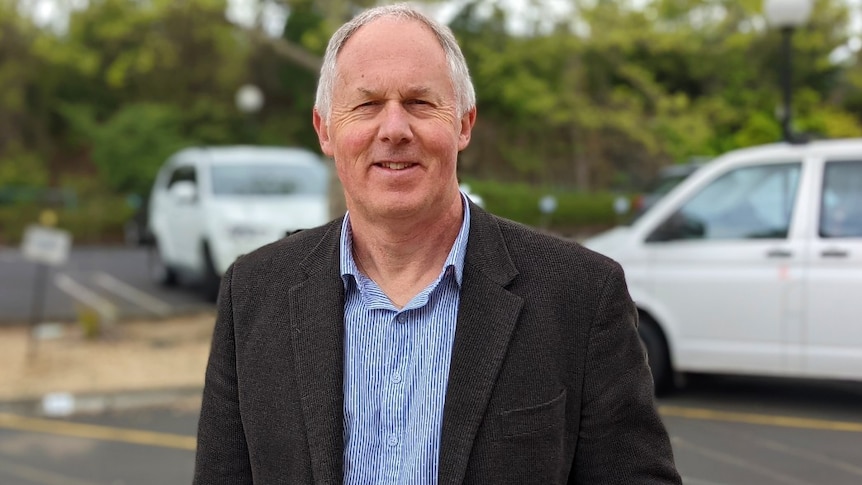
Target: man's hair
[{"x": 465, "y": 95}]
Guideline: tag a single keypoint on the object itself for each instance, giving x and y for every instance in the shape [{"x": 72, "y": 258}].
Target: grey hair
[{"x": 465, "y": 95}]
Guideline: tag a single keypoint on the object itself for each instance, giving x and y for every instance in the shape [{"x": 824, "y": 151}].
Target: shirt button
[
  {"x": 401, "y": 318},
  {"x": 396, "y": 377},
  {"x": 393, "y": 440}
]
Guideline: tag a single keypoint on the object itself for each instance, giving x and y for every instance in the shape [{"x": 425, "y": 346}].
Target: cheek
[
  {"x": 443, "y": 143},
  {"x": 351, "y": 143}
]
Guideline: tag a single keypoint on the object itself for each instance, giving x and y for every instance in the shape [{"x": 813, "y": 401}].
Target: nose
[{"x": 395, "y": 124}]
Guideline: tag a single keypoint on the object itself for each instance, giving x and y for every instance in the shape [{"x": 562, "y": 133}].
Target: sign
[{"x": 46, "y": 245}]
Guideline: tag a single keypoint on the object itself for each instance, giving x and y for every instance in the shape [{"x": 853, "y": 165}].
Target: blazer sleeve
[
  {"x": 622, "y": 439},
  {"x": 222, "y": 452}
]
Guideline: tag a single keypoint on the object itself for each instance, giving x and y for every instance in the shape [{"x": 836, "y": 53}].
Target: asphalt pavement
[{"x": 113, "y": 280}]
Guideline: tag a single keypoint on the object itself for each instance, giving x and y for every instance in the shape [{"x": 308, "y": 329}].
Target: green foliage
[
  {"x": 576, "y": 212},
  {"x": 96, "y": 220},
  {"x": 22, "y": 168},
  {"x": 129, "y": 147},
  {"x": 598, "y": 100}
]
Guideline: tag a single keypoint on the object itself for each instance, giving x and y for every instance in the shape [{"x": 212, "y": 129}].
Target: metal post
[
  {"x": 787, "y": 82},
  {"x": 37, "y": 308}
]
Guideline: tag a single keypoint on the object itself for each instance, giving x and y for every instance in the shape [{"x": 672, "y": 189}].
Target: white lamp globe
[
  {"x": 787, "y": 13},
  {"x": 249, "y": 98}
]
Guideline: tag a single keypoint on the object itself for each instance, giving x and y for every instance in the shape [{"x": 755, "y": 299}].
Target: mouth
[{"x": 395, "y": 165}]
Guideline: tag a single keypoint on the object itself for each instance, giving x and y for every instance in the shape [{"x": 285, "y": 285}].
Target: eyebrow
[{"x": 415, "y": 91}]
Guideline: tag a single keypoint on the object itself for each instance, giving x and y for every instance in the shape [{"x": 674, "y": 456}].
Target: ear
[
  {"x": 467, "y": 122},
  {"x": 322, "y": 130}
]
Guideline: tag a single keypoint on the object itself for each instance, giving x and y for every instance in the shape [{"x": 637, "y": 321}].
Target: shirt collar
[{"x": 454, "y": 260}]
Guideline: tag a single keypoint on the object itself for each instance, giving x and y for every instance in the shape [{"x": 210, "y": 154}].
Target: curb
[{"x": 62, "y": 404}]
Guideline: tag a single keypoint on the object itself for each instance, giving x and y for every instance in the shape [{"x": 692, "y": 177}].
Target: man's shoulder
[
  {"x": 525, "y": 242},
  {"x": 290, "y": 251}
]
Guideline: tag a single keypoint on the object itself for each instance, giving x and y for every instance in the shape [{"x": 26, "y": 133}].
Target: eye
[
  {"x": 417, "y": 101},
  {"x": 367, "y": 104}
]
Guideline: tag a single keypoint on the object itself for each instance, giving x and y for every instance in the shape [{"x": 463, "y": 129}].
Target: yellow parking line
[
  {"x": 763, "y": 419},
  {"x": 96, "y": 432}
]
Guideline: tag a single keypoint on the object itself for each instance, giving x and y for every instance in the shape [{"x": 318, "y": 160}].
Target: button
[
  {"x": 396, "y": 377},
  {"x": 401, "y": 318},
  {"x": 393, "y": 440}
]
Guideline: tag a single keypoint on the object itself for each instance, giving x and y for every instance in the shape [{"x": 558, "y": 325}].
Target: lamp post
[
  {"x": 249, "y": 100},
  {"x": 787, "y": 15}
]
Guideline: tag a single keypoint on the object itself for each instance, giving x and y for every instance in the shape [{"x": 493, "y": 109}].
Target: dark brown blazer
[{"x": 548, "y": 382}]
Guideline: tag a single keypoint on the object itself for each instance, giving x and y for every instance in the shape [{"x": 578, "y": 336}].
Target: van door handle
[
  {"x": 779, "y": 253},
  {"x": 834, "y": 253}
]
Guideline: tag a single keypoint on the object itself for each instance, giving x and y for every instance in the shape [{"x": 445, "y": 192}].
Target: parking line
[
  {"x": 84, "y": 295},
  {"x": 136, "y": 296},
  {"x": 762, "y": 419},
  {"x": 97, "y": 432},
  {"x": 36, "y": 475},
  {"x": 738, "y": 462},
  {"x": 793, "y": 451}
]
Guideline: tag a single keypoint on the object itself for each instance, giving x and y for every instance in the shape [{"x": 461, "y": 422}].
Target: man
[{"x": 419, "y": 339}]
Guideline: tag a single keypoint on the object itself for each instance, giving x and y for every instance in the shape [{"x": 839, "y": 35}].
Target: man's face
[{"x": 394, "y": 131}]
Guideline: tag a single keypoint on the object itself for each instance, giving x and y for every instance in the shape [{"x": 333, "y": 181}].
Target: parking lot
[
  {"x": 112, "y": 278},
  {"x": 725, "y": 430}
]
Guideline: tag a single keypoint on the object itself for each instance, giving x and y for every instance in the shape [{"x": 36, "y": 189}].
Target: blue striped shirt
[{"x": 396, "y": 365}]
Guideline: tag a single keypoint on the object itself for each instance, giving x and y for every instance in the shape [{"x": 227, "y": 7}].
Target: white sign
[{"x": 46, "y": 245}]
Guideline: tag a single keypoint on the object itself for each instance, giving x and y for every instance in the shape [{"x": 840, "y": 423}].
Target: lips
[{"x": 395, "y": 165}]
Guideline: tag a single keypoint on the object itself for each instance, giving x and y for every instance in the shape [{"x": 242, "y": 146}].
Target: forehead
[{"x": 391, "y": 39}]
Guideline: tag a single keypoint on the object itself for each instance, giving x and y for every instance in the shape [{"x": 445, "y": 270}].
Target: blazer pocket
[{"x": 534, "y": 418}]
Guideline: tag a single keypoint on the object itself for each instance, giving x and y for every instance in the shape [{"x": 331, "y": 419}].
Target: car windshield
[{"x": 267, "y": 180}]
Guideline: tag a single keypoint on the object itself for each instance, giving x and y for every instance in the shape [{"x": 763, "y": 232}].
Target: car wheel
[
  {"x": 211, "y": 279},
  {"x": 160, "y": 272},
  {"x": 657, "y": 355}
]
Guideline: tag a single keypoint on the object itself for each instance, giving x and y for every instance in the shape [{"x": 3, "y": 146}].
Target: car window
[
  {"x": 183, "y": 173},
  {"x": 745, "y": 203},
  {"x": 267, "y": 179},
  {"x": 841, "y": 200}
]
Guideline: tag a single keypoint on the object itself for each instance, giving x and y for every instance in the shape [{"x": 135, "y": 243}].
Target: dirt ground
[{"x": 133, "y": 356}]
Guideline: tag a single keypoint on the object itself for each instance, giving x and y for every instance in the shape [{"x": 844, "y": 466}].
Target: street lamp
[
  {"x": 249, "y": 101},
  {"x": 787, "y": 15}
]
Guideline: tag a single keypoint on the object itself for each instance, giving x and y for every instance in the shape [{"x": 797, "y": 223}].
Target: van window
[
  {"x": 841, "y": 200},
  {"x": 184, "y": 173},
  {"x": 745, "y": 203},
  {"x": 267, "y": 179}
]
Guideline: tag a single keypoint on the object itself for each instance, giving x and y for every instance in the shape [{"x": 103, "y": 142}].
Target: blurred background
[
  {"x": 580, "y": 99},
  {"x": 589, "y": 112}
]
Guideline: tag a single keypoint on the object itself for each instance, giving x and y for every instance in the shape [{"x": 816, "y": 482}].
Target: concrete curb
[{"x": 61, "y": 404}]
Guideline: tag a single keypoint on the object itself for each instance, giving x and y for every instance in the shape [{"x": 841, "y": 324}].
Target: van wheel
[
  {"x": 211, "y": 279},
  {"x": 657, "y": 355},
  {"x": 160, "y": 272}
]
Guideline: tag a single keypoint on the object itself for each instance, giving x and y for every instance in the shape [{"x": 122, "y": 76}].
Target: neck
[{"x": 405, "y": 256}]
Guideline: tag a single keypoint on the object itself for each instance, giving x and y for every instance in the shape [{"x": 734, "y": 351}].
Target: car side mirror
[
  {"x": 676, "y": 227},
  {"x": 184, "y": 192}
]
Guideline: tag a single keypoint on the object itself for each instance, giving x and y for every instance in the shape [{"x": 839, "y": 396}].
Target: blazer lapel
[
  {"x": 486, "y": 318},
  {"x": 317, "y": 332}
]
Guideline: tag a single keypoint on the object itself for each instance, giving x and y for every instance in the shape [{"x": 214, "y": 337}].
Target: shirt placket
[{"x": 393, "y": 427}]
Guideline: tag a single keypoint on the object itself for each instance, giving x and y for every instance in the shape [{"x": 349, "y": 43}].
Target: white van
[
  {"x": 752, "y": 265},
  {"x": 210, "y": 205}
]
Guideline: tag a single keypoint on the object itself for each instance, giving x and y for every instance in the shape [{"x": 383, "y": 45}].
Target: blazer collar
[
  {"x": 486, "y": 319},
  {"x": 317, "y": 335}
]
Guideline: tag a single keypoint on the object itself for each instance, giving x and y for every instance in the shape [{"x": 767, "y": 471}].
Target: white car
[
  {"x": 210, "y": 205},
  {"x": 752, "y": 265}
]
